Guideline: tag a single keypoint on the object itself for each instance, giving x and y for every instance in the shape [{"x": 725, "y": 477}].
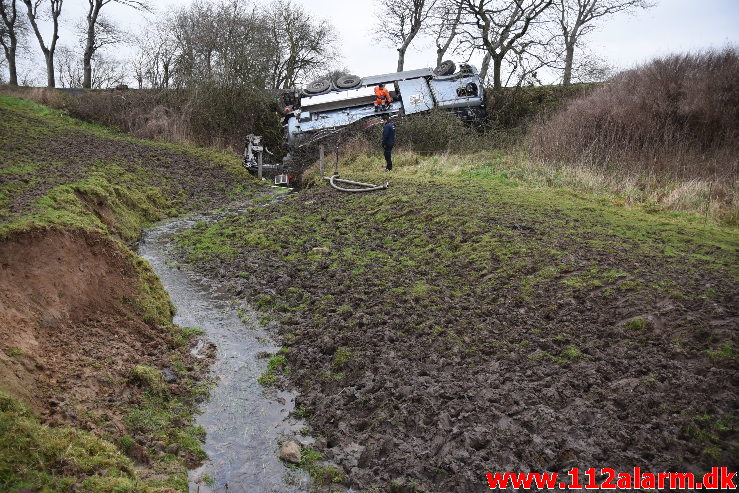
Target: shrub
[
  {"x": 677, "y": 116},
  {"x": 516, "y": 107},
  {"x": 205, "y": 115}
]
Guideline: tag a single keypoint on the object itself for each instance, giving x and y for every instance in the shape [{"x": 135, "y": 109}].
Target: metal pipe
[
  {"x": 321, "y": 160},
  {"x": 259, "y": 160}
]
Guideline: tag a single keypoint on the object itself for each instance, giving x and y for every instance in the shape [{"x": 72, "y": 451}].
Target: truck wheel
[
  {"x": 318, "y": 86},
  {"x": 348, "y": 81},
  {"x": 447, "y": 67}
]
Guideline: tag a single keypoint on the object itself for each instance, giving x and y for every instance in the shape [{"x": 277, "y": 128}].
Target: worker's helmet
[{"x": 381, "y": 86}]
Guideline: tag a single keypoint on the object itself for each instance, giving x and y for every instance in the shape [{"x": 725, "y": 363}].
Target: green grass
[
  {"x": 132, "y": 197},
  {"x": 321, "y": 474},
  {"x": 727, "y": 351},
  {"x": 276, "y": 366},
  {"x": 637, "y": 324},
  {"x": 183, "y": 335},
  {"x": 342, "y": 357},
  {"x": 132, "y": 205},
  {"x": 37, "y": 457}
]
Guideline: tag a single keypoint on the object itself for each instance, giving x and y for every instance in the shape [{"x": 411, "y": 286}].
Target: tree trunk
[
  {"x": 87, "y": 61},
  {"x": 13, "y": 81},
  {"x": 92, "y": 18},
  {"x": 9, "y": 15},
  {"x": 165, "y": 76},
  {"x": 10, "y": 57},
  {"x": 50, "y": 80},
  {"x": 485, "y": 67},
  {"x": 401, "y": 59},
  {"x": 404, "y": 47},
  {"x": 569, "y": 57},
  {"x": 497, "y": 65}
]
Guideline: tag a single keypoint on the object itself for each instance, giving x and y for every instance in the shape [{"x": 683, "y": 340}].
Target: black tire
[
  {"x": 447, "y": 67},
  {"x": 318, "y": 86},
  {"x": 348, "y": 81}
]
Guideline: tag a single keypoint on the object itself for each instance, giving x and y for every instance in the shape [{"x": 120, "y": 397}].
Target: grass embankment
[
  {"x": 93, "y": 190},
  {"x": 56, "y": 168},
  {"x": 480, "y": 316}
]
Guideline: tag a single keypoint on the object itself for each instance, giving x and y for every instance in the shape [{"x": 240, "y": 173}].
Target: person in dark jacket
[{"x": 388, "y": 141}]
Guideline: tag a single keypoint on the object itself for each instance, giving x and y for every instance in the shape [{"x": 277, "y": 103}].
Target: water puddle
[{"x": 243, "y": 422}]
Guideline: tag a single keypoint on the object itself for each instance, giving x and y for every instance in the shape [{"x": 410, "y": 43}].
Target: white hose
[{"x": 368, "y": 187}]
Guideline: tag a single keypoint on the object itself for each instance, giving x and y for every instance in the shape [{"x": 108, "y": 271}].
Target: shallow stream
[{"x": 243, "y": 422}]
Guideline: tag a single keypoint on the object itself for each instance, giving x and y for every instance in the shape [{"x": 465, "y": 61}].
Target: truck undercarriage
[{"x": 324, "y": 108}]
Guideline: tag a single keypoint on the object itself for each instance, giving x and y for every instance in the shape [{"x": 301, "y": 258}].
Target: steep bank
[{"x": 86, "y": 333}]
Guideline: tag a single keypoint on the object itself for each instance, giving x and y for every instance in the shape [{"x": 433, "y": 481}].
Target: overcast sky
[{"x": 623, "y": 41}]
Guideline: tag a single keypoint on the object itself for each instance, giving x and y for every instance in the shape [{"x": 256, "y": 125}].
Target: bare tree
[
  {"x": 106, "y": 72},
  {"x": 101, "y": 31},
  {"x": 400, "y": 21},
  {"x": 576, "y": 18},
  {"x": 502, "y": 29},
  {"x": 156, "y": 55},
  {"x": 10, "y": 31},
  {"x": 225, "y": 44},
  {"x": 68, "y": 73},
  {"x": 305, "y": 45},
  {"x": 446, "y": 19},
  {"x": 55, "y": 10}
]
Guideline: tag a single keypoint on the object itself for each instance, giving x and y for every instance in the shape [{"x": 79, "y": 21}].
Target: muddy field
[
  {"x": 43, "y": 152},
  {"x": 448, "y": 327},
  {"x": 445, "y": 329}
]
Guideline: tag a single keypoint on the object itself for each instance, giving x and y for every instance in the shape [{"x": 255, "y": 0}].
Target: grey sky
[{"x": 623, "y": 41}]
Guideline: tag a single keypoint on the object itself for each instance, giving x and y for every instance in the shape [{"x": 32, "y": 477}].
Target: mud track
[
  {"x": 69, "y": 156},
  {"x": 439, "y": 333}
]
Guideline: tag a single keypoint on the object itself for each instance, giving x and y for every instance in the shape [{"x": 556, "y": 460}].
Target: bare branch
[
  {"x": 577, "y": 18},
  {"x": 503, "y": 26},
  {"x": 400, "y": 21}
]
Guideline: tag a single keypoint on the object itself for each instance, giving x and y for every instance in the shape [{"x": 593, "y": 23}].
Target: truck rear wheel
[
  {"x": 447, "y": 67},
  {"x": 318, "y": 86},
  {"x": 348, "y": 81}
]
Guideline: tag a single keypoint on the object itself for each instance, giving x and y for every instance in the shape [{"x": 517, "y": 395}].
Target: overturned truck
[{"x": 325, "y": 107}]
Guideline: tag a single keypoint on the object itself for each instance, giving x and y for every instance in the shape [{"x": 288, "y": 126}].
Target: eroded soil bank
[
  {"x": 84, "y": 345},
  {"x": 442, "y": 330}
]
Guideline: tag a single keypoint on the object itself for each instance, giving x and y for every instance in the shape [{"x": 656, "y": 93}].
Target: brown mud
[
  {"x": 71, "y": 331},
  {"x": 425, "y": 371}
]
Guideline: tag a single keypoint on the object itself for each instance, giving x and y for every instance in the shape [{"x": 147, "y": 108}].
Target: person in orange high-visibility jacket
[{"x": 382, "y": 95}]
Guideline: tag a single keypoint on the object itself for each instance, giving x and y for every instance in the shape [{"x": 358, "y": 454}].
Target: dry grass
[
  {"x": 212, "y": 116},
  {"x": 711, "y": 201},
  {"x": 675, "y": 117}
]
